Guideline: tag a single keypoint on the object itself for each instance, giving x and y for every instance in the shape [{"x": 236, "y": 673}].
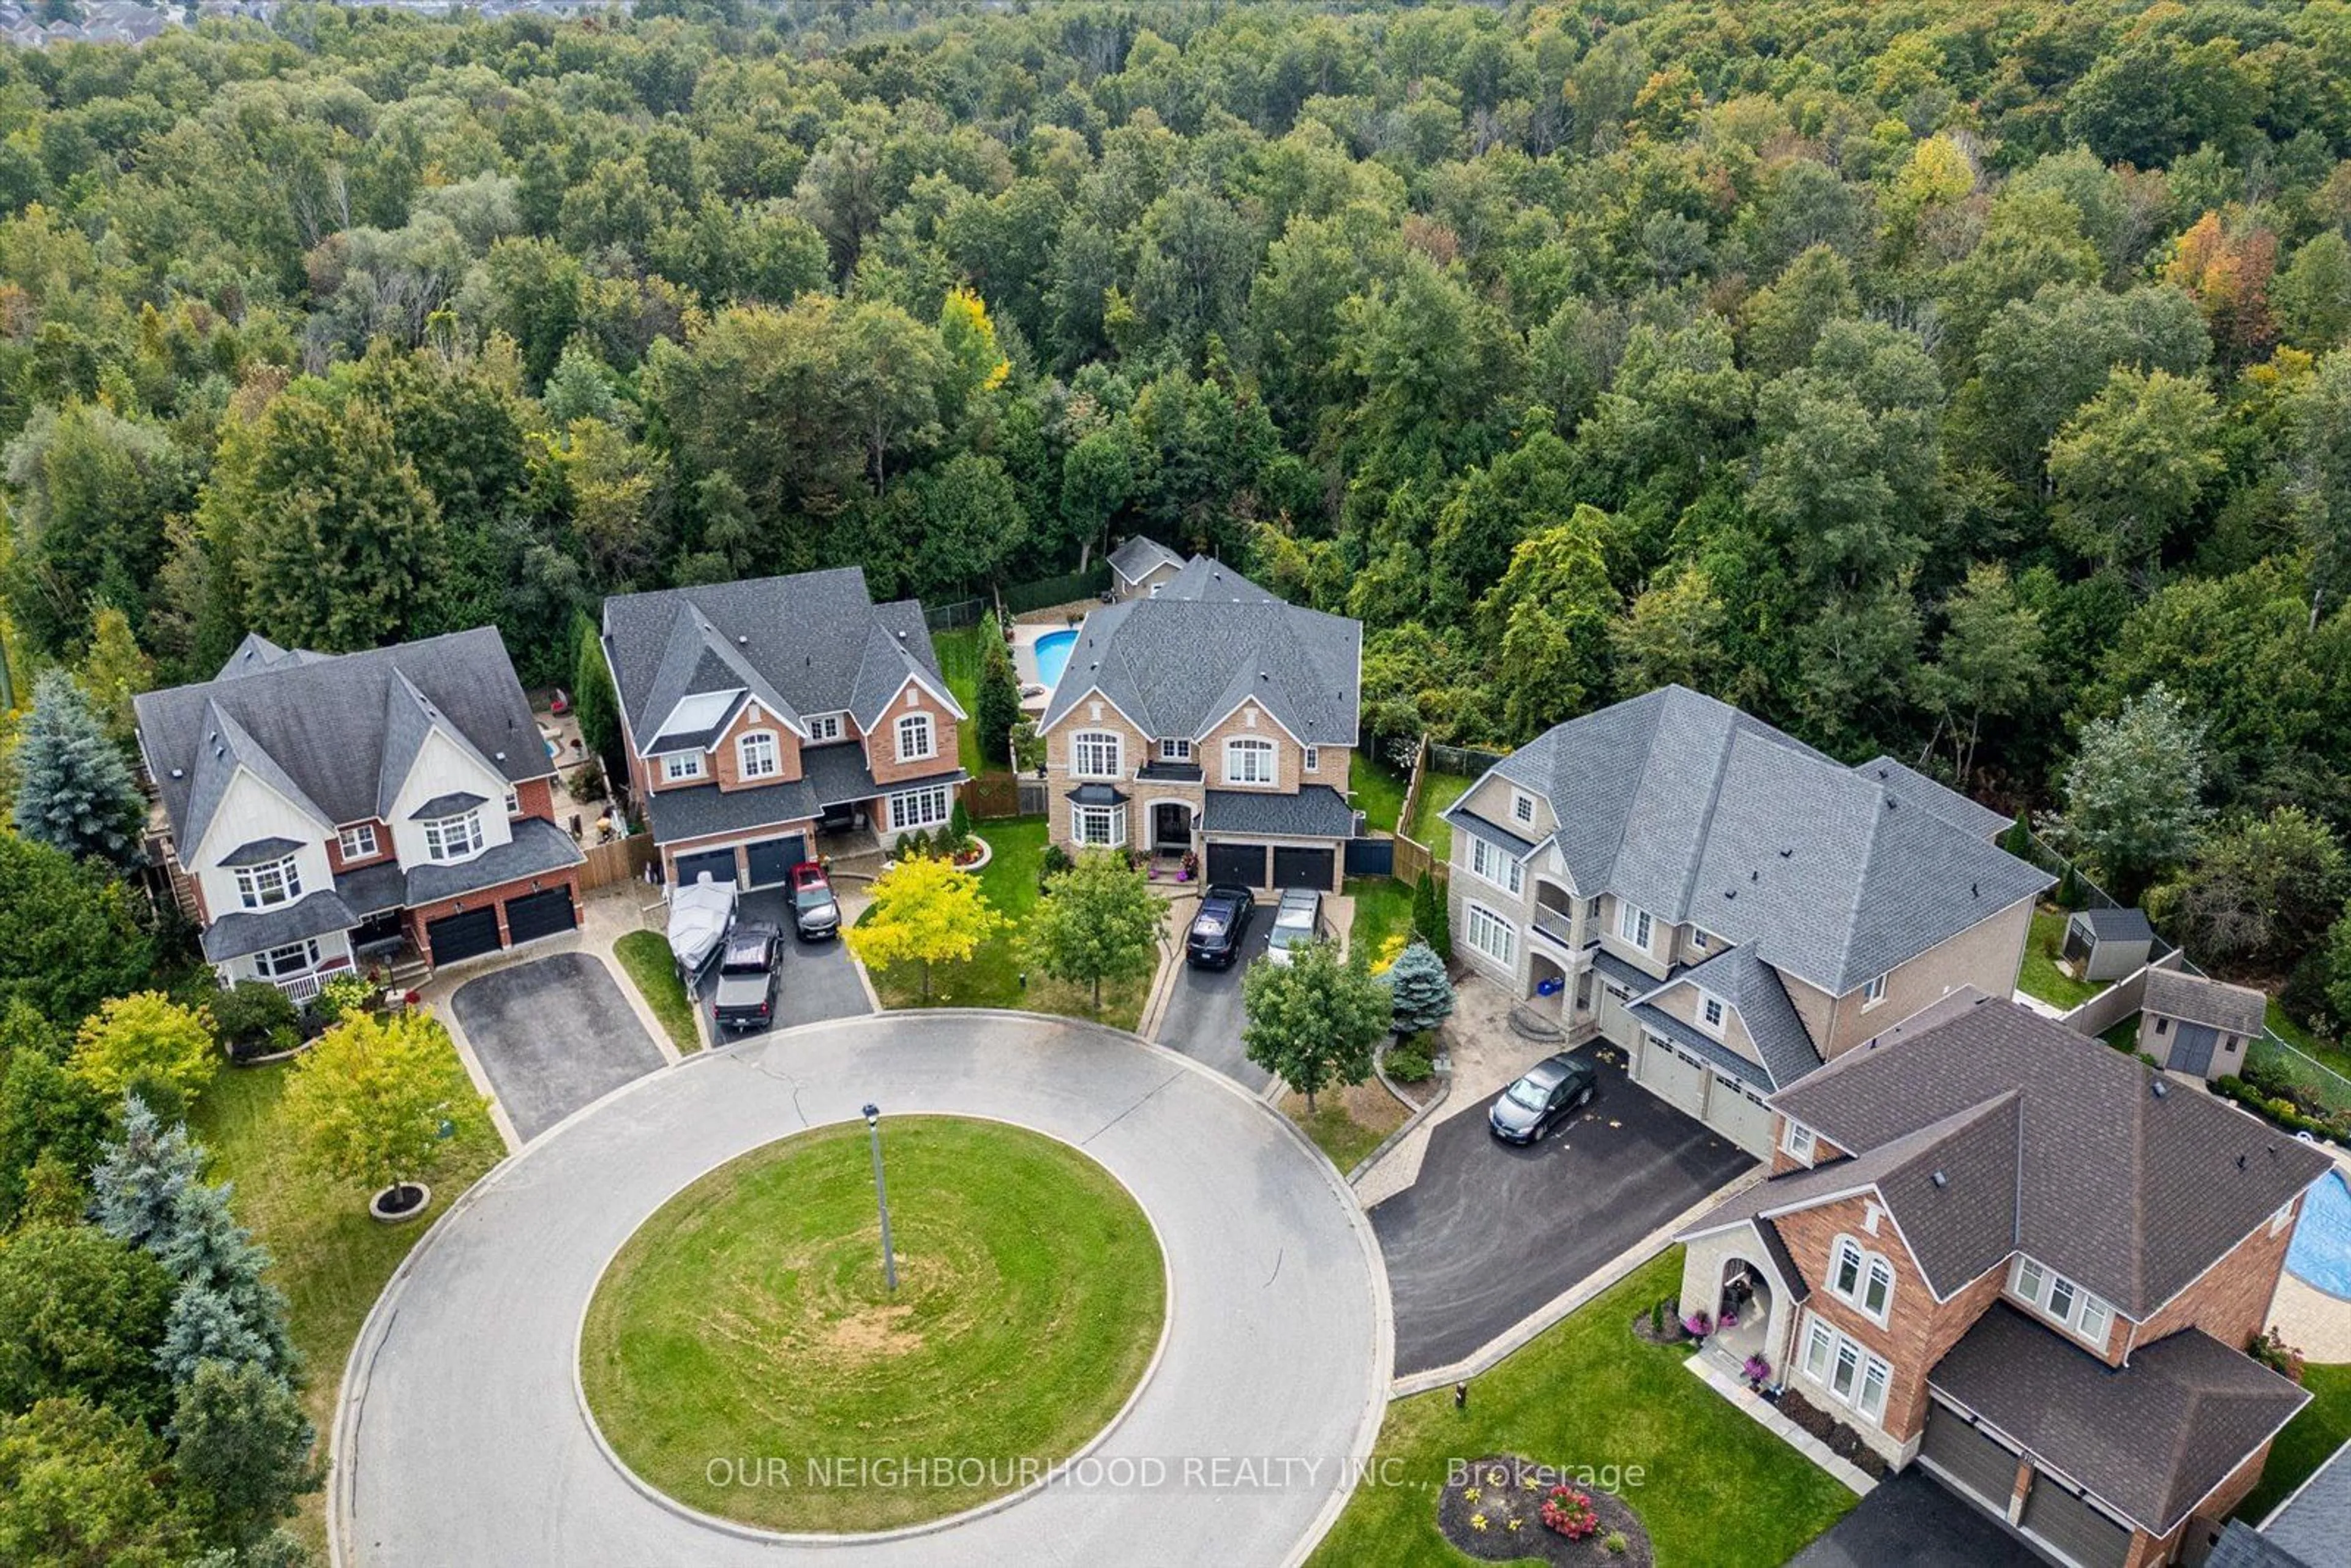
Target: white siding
[
  {"x": 251, "y": 809},
  {"x": 441, "y": 768}
]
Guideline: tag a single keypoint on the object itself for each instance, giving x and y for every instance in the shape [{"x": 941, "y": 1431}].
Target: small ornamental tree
[
  {"x": 2018, "y": 839},
  {"x": 925, "y": 911},
  {"x": 1098, "y": 921},
  {"x": 149, "y": 1043},
  {"x": 368, "y": 1101},
  {"x": 1315, "y": 1019},
  {"x": 1000, "y": 693},
  {"x": 74, "y": 790},
  {"x": 1421, "y": 995},
  {"x": 959, "y": 824},
  {"x": 1431, "y": 921}
]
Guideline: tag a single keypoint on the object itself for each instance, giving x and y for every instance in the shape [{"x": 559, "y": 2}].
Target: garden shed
[
  {"x": 2107, "y": 944},
  {"x": 2191, "y": 1024}
]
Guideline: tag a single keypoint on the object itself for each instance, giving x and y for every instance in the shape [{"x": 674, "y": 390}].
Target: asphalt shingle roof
[
  {"x": 1748, "y": 984},
  {"x": 2314, "y": 1523},
  {"x": 1137, "y": 558},
  {"x": 1316, "y": 812},
  {"x": 1656, "y": 1021},
  {"x": 1918, "y": 789},
  {"x": 833, "y": 776},
  {"x": 2116, "y": 924},
  {"x": 2152, "y": 1439},
  {"x": 538, "y": 846},
  {"x": 242, "y": 931},
  {"x": 1177, "y": 665},
  {"x": 2243, "y": 1546},
  {"x": 1698, "y": 812},
  {"x": 2238, "y": 1010}
]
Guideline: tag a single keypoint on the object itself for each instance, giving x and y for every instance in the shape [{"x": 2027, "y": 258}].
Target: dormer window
[
  {"x": 757, "y": 756},
  {"x": 454, "y": 838},
  {"x": 1094, "y": 754},
  {"x": 1175, "y": 747},
  {"x": 1522, "y": 807},
  {"x": 271, "y": 883},
  {"x": 679, "y": 766},
  {"x": 359, "y": 843},
  {"x": 823, "y": 727},
  {"x": 914, "y": 741}
]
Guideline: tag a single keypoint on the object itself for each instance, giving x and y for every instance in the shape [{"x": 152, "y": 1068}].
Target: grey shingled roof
[
  {"x": 1698, "y": 812},
  {"x": 374, "y": 888},
  {"x": 538, "y": 847},
  {"x": 2129, "y": 1193},
  {"x": 2314, "y": 1523},
  {"x": 1177, "y": 665},
  {"x": 1317, "y": 811},
  {"x": 1466, "y": 821},
  {"x": 2243, "y": 1546},
  {"x": 1656, "y": 1021},
  {"x": 2152, "y": 1439},
  {"x": 1137, "y": 558},
  {"x": 833, "y": 776},
  {"x": 243, "y": 930},
  {"x": 2116, "y": 924},
  {"x": 257, "y": 653},
  {"x": 1917, "y": 788},
  {"x": 317, "y": 729},
  {"x": 448, "y": 805},
  {"x": 2238, "y": 1010},
  {"x": 1748, "y": 984},
  {"x": 260, "y": 852},
  {"x": 810, "y": 643},
  {"x": 1213, "y": 580}
]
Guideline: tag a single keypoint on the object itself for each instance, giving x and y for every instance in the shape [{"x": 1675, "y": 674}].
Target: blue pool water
[
  {"x": 2321, "y": 1253},
  {"x": 1052, "y": 655}
]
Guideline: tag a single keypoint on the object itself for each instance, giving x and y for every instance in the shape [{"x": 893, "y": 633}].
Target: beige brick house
[
  {"x": 2031, "y": 1263},
  {"x": 1209, "y": 718},
  {"x": 1729, "y": 905},
  {"x": 759, "y": 713}
]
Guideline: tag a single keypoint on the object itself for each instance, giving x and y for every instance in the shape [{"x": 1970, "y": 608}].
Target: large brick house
[
  {"x": 1726, "y": 904},
  {"x": 327, "y": 808},
  {"x": 2029, "y": 1262},
  {"x": 1209, "y": 717},
  {"x": 759, "y": 713}
]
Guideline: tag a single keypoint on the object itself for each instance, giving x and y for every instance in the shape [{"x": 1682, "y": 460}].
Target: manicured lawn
[
  {"x": 1378, "y": 789},
  {"x": 1382, "y": 909},
  {"x": 748, "y": 1316},
  {"x": 959, "y": 654},
  {"x": 331, "y": 1259},
  {"x": 2309, "y": 1440},
  {"x": 1347, "y": 1124},
  {"x": 993, "y": 977},
  {"x": 646, "y": 955},
  {"x": 1715, "y": 1489},
  {"x": 2040, "y": 976},
  {"x": 1437, "y": 792},
  {"x": 2124, "y": 1036}
]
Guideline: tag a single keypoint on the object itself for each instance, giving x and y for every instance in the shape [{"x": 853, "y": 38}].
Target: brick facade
[
  {"x": 2230, "y": 1300},
  {"x": 726, "y": 762},
  {"x": 882, "y": 743},
  {"x": 418, "y": 916}
]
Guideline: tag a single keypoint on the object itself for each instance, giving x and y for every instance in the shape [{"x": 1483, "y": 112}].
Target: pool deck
[
  {"x": 2309, "y": 1318},
  {"x": 1026, "y": 635}
]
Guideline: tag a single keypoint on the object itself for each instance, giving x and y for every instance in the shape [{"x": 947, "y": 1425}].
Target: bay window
[
  {"x": 454, "y": 838},
  {"x": 1098, "y": 826},
  {"x": 267, "y": 885},
  {"x": 912, "y": 808},
  {"x": 295, "y": 958}
]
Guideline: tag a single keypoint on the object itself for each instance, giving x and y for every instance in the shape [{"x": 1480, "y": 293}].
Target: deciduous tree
[
  {"x": 1098, "y": 921},
  {"x": 146, "y": 1043},
  {"x": 368, "y": 1100},
  {"x": 1315, "y": 1019},
  {"x": 2134, "y": 793},
  {"x": 925, "y": 911}
]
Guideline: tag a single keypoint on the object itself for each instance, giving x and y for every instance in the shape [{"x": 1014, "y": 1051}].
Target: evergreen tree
[
  {"x": 593, "y": 700},
  {"x": 1431, "y": 921},
  {"x": 1421, "y": 994},
  {"x": 74, "y": 790},
  {"x": 2018, "y": 839},
  {"x": 1000, "y": 693},
  {"x": 243, "y": 1449},
  {"x": 136, "y": 1186}
]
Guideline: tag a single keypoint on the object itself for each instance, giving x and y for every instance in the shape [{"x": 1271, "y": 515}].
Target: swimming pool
[
  {"x": 1053, "y": 656},
  {"x": 2321, "y": 1253}
]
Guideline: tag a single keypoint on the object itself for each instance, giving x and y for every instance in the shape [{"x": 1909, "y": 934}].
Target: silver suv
[{"x": 1297, "y": 921}]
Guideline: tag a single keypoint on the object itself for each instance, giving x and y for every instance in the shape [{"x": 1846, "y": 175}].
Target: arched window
[
  {"x": 1094, "y": 754},
  {"x": 914, "y": 737},
  {"x": 1861, "y": 1278},
  {"x": 756, "y": 755},
  {"x": 1249, "y": 761}
]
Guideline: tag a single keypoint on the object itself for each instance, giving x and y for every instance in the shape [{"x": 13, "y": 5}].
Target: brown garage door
[
  {"x": 1977, "y": 1462},
  {"x": 2072, "y": 1526}
]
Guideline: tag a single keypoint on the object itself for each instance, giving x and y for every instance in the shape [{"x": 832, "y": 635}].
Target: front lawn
[
  {"x": 1378, "y": 789},
  {"x": 2323, "y": 1426},
  {"x": 1348, "y": 1123},
  {"x": 1714, "y": 1488},
  {"x": 993, "y": 977},
  {"x": 1382, "y": 909},
  {"x": 2041, "y": 977},
  {"x": 646, "y": 955},
  {"x": 1437, "y": 793},
  {"x": 331, "y": 1259}
]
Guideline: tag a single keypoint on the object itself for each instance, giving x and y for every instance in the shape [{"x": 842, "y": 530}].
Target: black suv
[
  {"x": 1219, "y": 929},
  {"x": 746, "y": 997}
]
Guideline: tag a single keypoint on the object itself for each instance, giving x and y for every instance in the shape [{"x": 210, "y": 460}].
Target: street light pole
[{"x": 881, "y": 1196}]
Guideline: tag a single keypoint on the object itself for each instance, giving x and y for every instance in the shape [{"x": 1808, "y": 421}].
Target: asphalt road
[
  {"x": 553, "y": 1035},
  {"x": 1911, "y": 1522},
  {"x": 1203, "y": 1020},
  {"x": 816, "y": 982},
  {"x": 1491, "y": 1232},
  {"x": 460, "y": 1439}
]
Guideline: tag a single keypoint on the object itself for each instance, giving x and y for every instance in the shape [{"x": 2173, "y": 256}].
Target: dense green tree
[
  {"x": 1989, "y": 664},
  {"x": 74, "y": 790},
  {"x": 2129, "y": 466},
  {"x": 1547, "y": 619},
  {"x": 1420, "y": 994},
  {"x": 81, "y": 1483},
  {"x": 1098, "y": 921},
  {"x": 93, "y": 490},
  {"x": 241, "y": 1451},
  {"x": 68, "y": 940},
  {"x": 81, "y": 1315},
  {"x": 2135, "y": 794},
  {"x": 2312, "y": 297},
  {"x": 1313, "y": 1020},
  {"x": 2261, "y": 892},
  {"x": 1000, "y": 693}
]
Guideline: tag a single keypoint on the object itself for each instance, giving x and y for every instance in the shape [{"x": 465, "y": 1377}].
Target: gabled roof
[
  {"x": 1316, "y": 811},
  {"x": 2152, "y": 1439},
  {"x": 2130, "y": 1192},
  {"x": 1137, "y": 558},
  {"x": 810, "y": 643},
  {"x": 2238, "y": 1009},
  {"x": 1749, "y": 986},
  {"x": 318, "y": 728},
  {"x": 2116, "y": 924},
  {"x": 1916, "y": 788},
  {"x": 1698, "y": 812},
  {"x": 1180, "y": 663},
  {"x": 409, "y": 719},
  {"x": 257, "y": 653}
]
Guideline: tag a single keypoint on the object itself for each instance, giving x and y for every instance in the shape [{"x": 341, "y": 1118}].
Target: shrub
[
  {"x": 146, "y": 1040},
  {"x": 345, "y": 993},
  {"x": 1614, "y": 1543},
  {"x": 247, "y": 1012},
  {"x": 1409, "y": 1066},
  {"x": 2274, "y": 1353},
  {"x": 959, "y": 823},
  {"x": 1570, "y": 1512},
  {"x": 1053, "y": 863},
  {"x": 1658, "y": 1319},
  {"x": 916, "y": 845},
  {"x": 587, "y": 781},
  {"x": 2069, "y": 893},
  {"x": 1697, "y": 1325}
]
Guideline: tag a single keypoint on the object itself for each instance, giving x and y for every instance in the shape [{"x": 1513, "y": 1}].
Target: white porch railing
[{"x": 300, "y": 989}]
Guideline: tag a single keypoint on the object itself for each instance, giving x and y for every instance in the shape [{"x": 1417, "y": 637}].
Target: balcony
[{"x": 1557, "y": 926}]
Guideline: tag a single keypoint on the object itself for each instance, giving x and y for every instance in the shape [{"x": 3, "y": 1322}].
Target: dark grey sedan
[{"x": 1553, "y": 1090}]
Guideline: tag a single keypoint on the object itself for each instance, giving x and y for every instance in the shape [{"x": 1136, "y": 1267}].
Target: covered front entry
[
  {"x": 720, "y": 864},
  {"x": 771, "y": 859},
  {"x": 536, "y": 915},
  {"x": 463, "y": 936},
  {"x": 2076, "y": 1529},
  {"x": 1171, "y": 828},
  {"x": 1295, "y": 865},
  {"x": 1969, "y": 1458},
  {"x": 1242, "y": 865}
]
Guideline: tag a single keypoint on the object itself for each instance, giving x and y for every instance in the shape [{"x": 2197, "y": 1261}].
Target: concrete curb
[
  {"x": 1411, "y": 1123},
  {"x": 1608, "y": 1275}
]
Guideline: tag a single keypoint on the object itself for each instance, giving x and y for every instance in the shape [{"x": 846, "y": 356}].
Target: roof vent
[
  {"x": 2162, "y": 1089},
  {"x": 1975, "y": 889},
  {"x": 1939, "y": 1180},
  {"x": 901, "y": 636},
  {"x": 1891, "y": 802},
  {"x": 1755, "y": 876},
  {"x": 742, "y": 638},
  {"x": 499, "y": 755},
  {"x": 1787, "y": 851},
  {"x": 1731, "y": 892},
  {"x": 2241, "y": 1161},
  {"x": 177, "y": 774}
]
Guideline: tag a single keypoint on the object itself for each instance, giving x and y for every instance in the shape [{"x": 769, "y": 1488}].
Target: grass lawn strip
[
  {"x": 1378, "y": 790},
  {"x": 2040, "y": 976},
  {"x": 1715, "y": 1489},
  {"x": 1437, "y": 793},
  {"x": 646, "y": 955},
  {"x": 329, "y": 1257},
  {"x": 748, "y": 1317},
  {"x": 958, "y": 653},
  {"x": 1382, "y": 909},
  {"x": 2307, "y": 1442}
]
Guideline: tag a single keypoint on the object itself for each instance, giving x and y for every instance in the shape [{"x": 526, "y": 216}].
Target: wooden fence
[
  {"x": 992, "y": 795},
  {"x": 621, "y": 860},
  {"x": 1414, "y": 860}
]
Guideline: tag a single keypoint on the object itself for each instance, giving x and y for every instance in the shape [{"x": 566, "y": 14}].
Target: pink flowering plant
[{"x": 1570, "y": 1512}]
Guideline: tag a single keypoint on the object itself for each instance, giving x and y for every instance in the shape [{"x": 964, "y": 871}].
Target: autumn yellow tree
[
  {"x": 145, "y": 1043},
  {"x": 370, "y": 1103},
  {"x": 925, "y": 911}
]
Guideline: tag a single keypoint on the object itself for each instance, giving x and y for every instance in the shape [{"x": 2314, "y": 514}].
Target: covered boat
[{"x": 700, "y": 915}]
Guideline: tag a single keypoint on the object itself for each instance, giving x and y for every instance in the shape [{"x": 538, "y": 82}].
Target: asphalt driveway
[
  {"x": 1489, "y": 1232},
  {"x": 1203, "y": 1020},
  {"x": 553, "y": 1035},
  {"x": 817, "y": 981},
  {"x": 1911, "y": 1522}
]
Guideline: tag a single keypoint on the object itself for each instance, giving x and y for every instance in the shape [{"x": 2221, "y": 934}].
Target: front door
[{"x": 1171, "y": 828}]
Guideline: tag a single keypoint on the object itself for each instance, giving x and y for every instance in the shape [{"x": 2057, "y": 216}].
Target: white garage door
[
  {"x": 1674, "y": 1078},
  {"x": 1738, "y": 1116}
]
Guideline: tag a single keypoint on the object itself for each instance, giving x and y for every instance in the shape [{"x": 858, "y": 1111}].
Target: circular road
[{"x": 460, "y": 1437}]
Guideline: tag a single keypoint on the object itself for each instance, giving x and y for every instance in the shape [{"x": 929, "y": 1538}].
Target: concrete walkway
[
  {"x": 460, "y": 1437},
  {"x": 1487, "y": 1058}
]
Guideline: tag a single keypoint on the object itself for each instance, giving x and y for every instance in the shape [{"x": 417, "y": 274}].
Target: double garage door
[
  {"x": 770, "y": 862},
  {"x": 1292, "y": 866},
  {"x": 474, "y": 932},
  {"x": 1983, "y": 1468}
]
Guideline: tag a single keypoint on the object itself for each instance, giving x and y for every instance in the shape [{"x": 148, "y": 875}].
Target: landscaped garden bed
[{"x": 1506, "y": 1509}]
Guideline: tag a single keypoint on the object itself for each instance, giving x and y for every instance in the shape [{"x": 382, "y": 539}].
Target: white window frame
[
  {"x": 1871, "y": 1272},
  {"x": 758, "y": 741},
  {"x": 824, "y": 726},
  {"x": 1522, "y": 807},
  {"x": 1798, "y": 1140},
  {"x": 680, "y": 766},
  {"x": 448, "y": 840},
  {"x": 1713, "y": 1013},
  {"x": 1314, "y": 763},
  {"x": 1254, "y": 748},
  {"x": 1496, "y": 866},
  {"x": 1873, "y": 993},
  {"x": 1481, "y": 926},
  {"x": 1175, "y": 748},
  {"x": 267, "y": 965},
  {"x": 1098, "y": 826},
  {"x": 2086, "y": 1314},
  {"x": 513, "y": 801},
  {"x": 359, "y": 842},
  {"x": 270, "y": 883},
  {"x": 1699, "y": 939},
  {"x": 1096, "y": 754},
  {"x": 916, "y": 724},
  {"x": 912, "y": 808},
  {"x": 1632, "y": 924},
  {"x": 1831, "y": 1356}
]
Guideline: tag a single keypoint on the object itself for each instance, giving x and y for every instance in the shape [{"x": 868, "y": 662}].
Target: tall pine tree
[{"x": 74, "y": 790}]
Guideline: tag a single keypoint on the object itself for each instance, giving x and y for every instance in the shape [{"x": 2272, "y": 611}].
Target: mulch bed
[
  {"x": 1842, "y": 1439},
  {"x": 1512, "y": 1513},
  {"x": 1674, "y": 1332}
]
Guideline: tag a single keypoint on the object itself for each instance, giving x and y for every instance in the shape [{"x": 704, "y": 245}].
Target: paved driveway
[
  {"x": 1911, "y": 1522},
  {"x": 817, "y": 983},
  {"x": 460, "y": 1437},
  {"x": 1203, "y": 1018},
  {"x": 1489, "y": 1233},
  {"x": 553, "y": 1034}
]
